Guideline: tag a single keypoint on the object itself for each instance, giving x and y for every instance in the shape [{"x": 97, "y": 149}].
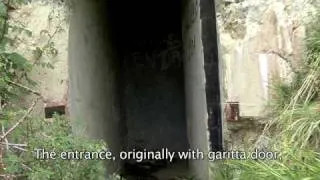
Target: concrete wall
[
  {"x": 48, "y": 25},
  {"x": 94, "y": 107},
  {"x": 203, "y": 77},
  {"x": 196, "y": 109}
]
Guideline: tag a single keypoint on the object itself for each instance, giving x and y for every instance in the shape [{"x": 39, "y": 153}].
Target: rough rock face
[
  {"x": 254, "y": 36},
  {"x": 258, "y": 40},
  {"x": 46, "y": 45}
]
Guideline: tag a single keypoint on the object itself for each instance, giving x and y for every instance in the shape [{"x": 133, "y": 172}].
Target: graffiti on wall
[{"x": 167, "y": 55}]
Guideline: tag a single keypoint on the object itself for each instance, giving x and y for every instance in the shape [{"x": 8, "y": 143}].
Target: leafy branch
[{"x": 20, "y": 120}]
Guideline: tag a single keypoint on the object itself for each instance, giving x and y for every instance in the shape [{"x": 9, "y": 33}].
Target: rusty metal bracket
[{"x": 232, "y": 111}]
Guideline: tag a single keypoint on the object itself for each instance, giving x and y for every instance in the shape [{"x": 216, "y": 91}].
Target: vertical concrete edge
[
  {"x": 213, "y": 66},
  {"x": 213, "y": 73}
]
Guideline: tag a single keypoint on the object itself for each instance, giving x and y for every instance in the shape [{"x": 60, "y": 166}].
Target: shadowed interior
[
  {"x": 129, "y": 84},
  {"x": 149, "y": 47}
]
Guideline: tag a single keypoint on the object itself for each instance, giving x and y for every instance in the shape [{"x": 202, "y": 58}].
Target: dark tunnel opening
[
  {"x": 147, "y": 36},
  {"x": 131, "y": 86}
]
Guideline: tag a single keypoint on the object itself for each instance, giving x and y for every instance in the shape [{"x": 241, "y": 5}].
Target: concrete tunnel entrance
[
  {"x": 148, "y": 44},
  {"x": 137, "y": 79}
]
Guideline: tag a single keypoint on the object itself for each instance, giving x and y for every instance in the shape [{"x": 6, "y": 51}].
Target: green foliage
[
  {"x": 3, "y": 10},
  {"x": 13, "y": 66},
  {"x": 295, "y": 164},
  {"x": 54, "y": 136}
]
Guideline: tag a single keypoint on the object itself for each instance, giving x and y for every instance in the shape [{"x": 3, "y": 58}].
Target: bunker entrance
[
  {"x": 146, "y": 75},
  {"x": 148, "y": 43}
]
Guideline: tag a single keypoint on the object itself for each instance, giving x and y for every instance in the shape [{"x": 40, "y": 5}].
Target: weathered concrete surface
[
  {"x": 196, "y": 109},
  {"x": 251, "y": 61},
  {"x": 202, "y": 81},
  {"x": 94, "y": 109},
  {"x": 48, "y": 25}
]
